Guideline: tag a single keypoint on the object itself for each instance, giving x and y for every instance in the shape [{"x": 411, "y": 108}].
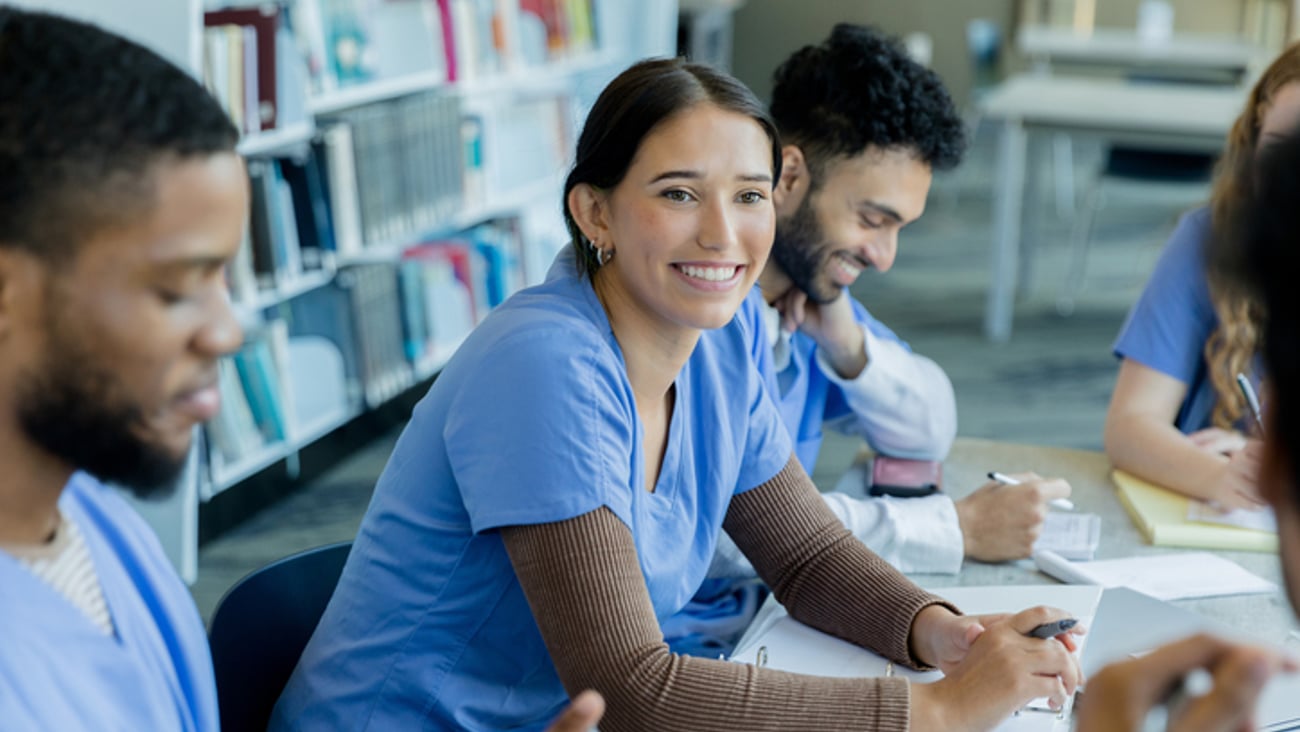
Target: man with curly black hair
[{"x": 863, "y": 128}]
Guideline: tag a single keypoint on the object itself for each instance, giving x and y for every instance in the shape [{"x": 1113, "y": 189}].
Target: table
[
  {"x": 1267, "y": 617},
  {"x": 1154, "y": 116},
  {"x": 1221, "y": 54}
]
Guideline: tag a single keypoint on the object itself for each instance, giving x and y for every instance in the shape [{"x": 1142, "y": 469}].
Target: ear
[
  {"x": 589, "y": 207},
  {"x": 794, "y": 182}
]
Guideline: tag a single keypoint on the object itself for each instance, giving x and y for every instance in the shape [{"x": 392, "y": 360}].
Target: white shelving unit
[{"x": 625, "y": 31}]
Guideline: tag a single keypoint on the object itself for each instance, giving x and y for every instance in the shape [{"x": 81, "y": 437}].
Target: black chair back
[{"x": 262, "y": 625}]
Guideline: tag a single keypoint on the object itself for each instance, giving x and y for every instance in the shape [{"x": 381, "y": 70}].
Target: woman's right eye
[{"x": 677, "y": 195}]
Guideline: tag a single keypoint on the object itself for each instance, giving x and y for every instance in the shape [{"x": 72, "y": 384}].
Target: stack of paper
[
  {"x": 1161, "y": 516},
  {"x": 1165, "y": 576},
  {"x": 1072, "y": 535}
]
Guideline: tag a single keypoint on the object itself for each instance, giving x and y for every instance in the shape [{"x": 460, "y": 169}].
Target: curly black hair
[
  {"x": 84, "y": 115},
  {"x": 860, "y": 89},
  {"x": 1272, "y": 247}
]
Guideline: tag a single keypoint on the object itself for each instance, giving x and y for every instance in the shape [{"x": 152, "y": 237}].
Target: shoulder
[{"x": 1190, "y": 237}]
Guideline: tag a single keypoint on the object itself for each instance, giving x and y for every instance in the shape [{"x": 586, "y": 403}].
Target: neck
[
  {"x": 773, "y": 282},
  {"x": 30, "y": 490},
  {"x": 653, "y": 351}
]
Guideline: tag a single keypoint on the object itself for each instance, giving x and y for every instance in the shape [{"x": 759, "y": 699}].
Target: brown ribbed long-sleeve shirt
[{"x": 585, "y": 587}]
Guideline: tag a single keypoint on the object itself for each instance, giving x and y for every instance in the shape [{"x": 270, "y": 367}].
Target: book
[
  {"x": 262, "y": 25},
  {"x": 1161, "y": 516}
]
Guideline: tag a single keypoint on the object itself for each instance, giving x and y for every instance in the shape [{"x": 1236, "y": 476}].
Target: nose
[
  {"x": 219, "y": 333},
  {"x": 881, "y": 250},
  {"x": 717, "y": 228}
]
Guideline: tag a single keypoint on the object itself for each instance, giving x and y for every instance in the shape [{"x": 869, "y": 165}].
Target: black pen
[{"x": 1053, "y": 629}]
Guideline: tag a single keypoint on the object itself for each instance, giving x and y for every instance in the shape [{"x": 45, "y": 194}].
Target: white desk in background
[
  {"x": 1154, "y": 116},
  {"x": 1228, "y": 55}
]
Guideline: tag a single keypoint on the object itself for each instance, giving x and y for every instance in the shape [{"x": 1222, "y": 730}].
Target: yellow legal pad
[{"x": 1161, "y": 516}]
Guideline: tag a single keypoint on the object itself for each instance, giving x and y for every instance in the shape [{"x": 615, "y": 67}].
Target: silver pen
[{"x": 1252, "y": 401}]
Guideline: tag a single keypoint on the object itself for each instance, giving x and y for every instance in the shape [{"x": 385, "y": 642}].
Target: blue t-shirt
[
  {"x": 58, "y": 671},
  {"x": 806, "y": 398},
  {"x": 1174, "y": 318},
  {"x": 532, "y": 422}
]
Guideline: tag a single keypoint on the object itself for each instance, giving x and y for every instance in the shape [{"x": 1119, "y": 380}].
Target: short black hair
[
  {"x": 859, "y": 89},
  {"x": 635, "y": 103},
  {"x": 84, "y": 115},
  {"x": 1272, "y": 244}
]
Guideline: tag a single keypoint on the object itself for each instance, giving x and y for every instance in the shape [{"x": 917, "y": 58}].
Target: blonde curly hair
[{"x": 1232, "y": 347}]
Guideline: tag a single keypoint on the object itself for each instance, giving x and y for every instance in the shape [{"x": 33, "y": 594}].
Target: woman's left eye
[{"x": 752, "y": 197}]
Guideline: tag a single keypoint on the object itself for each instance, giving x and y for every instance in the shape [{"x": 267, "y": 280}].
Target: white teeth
[
  {"x": 848, "y": 269},
  {"x": 709, "y": 274}
]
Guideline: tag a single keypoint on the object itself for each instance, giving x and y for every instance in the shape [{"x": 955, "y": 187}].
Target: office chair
[{"x": 261, "y": 626}]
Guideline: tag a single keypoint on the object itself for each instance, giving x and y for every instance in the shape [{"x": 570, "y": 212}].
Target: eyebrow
[
  {"x": 188, "y": 263},
  {"x": 880, "y": 208},
  {"x": 696, "y": 175}
]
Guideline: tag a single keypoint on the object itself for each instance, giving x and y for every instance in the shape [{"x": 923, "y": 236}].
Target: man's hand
[
  {"x": 582, "y": 715},
  {"x": 837, "y": 334},
  {"x": 1120, "y": 696},
  {"x": 1001, "y": 522}
]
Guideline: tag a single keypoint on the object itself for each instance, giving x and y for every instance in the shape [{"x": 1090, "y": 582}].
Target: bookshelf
[{"x": 401, "y": 190}]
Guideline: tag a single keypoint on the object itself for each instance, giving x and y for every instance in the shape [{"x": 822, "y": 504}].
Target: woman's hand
[
  {"x": 1120, "y": 696},
  {"x": 1218, "y": 441},
  {"x": 1000, "y": 671},
  {"x": 1236, "y": 483},
  {"x": 581, "y": 715}
]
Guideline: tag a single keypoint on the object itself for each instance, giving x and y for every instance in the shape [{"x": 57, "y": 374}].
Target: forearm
[
  {"x": 902, "y": 403},
  {"x": 822, "y": 575},
  {"x": 589, "y": 599},
  {"x": 1158, "y": 452},
  {"x": 916, "y": 535}
]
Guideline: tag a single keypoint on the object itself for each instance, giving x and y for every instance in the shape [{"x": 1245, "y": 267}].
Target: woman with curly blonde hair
[{"x": 1176, "y": 416}]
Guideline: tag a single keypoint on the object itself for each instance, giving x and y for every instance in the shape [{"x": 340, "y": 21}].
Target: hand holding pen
[
  {"x": 1063, "y": 504},
  {"x": 1232, "y": 675}
]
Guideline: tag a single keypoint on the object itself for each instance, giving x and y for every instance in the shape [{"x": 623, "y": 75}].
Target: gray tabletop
[{"x": 1267, "y": 617}]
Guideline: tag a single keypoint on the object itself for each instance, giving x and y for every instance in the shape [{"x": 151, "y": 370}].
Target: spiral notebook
[{"x": 781, "y": 642}]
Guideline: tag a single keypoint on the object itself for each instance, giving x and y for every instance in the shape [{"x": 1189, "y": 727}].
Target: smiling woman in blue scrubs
[{"x": 560, "y": 490}]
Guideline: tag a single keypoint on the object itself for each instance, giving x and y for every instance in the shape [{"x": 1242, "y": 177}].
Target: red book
[{"x": 265, "y": 21}]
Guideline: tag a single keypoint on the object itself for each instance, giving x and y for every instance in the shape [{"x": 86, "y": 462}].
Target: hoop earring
[{"x": 602, "y": 254}]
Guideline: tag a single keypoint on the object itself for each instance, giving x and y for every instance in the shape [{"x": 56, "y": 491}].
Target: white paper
[
  {"x": 1166, "y": 576},
  {"x": 789, "y": 645},
  {"x": 1071, "y": 535},
  {"x": 1260, "y": 519}
]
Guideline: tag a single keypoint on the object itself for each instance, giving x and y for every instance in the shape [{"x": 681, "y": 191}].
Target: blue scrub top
[
  {"x": 533, "y": 421},
  {"x": 1168, "y": 327},
  {"x": 806, "y": 398},
  {"x": 59, "y": 672}
]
